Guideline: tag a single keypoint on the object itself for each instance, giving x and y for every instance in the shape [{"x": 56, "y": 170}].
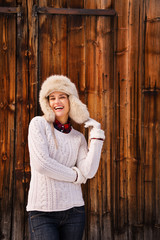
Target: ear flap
[
  {"x": 46, "y": 109},
  {"x": 78, "y": 111}
]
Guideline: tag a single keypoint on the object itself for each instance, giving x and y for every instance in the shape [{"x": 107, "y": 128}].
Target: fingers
[
  {"x": 80, "y": 178},
  {"x": 92, "y": 123}
]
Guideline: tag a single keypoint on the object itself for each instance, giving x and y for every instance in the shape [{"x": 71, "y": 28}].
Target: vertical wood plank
[
  {"x": 7, "y": 123},
  {"x": 107, "y": 100},
  {"x": 33, "y": 85},
  {"x": 135, "y": 163},
  {"x": 91, "y": 84},
  {"x": 76, "y": 55},
  {"x": 8, "y": 3},
  {"x": 151, "y": 119},
  {"x": 104, "y": 76},
  {"x": 121, "y": 136},
  {"x": 22, "y": 119},
  {"x": 52, "y": 43},
  {"x": 45, "y": 46},
  {"x": 32, "y": 57},
  {"x": 107, "y": 77},
  {"x": 76, "y": 69}
]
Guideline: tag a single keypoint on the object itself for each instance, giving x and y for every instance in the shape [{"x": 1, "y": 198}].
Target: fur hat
[{"x": 78, "y": 111}]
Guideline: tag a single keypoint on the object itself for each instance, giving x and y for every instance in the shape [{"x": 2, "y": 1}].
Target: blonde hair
[{"x": 52, "y": 128}]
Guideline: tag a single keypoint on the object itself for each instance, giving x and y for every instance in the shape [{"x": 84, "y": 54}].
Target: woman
[{"x": 60, "y": 162}]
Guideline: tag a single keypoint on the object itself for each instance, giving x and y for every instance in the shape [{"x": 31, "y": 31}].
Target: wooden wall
[{"x": 115, "y": 63}]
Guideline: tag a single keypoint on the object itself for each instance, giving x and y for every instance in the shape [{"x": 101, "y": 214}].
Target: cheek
[
  {"x": 68, "y": 105},
  {"x": 51, "y": 105}
]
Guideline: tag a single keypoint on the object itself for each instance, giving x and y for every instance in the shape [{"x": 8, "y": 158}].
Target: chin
[{"x": 61, "y": 117}]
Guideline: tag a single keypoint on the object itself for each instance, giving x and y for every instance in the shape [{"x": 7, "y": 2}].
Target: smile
[{"x": 58, "y": 108}]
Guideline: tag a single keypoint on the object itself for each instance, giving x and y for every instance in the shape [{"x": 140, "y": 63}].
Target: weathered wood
[
  {"x": 151, "y": 118},
  {"x": 32, "y": 59},
  {"x": 121, "y": 124},
  {"x": 78, "y": 11},
  {"x": 21, "y": 126},
  {"x": 7, "y": 124},
  {"x": 135, "y": 165},
  {"x": 93, "y": 206},
  {"x": 52, "y": 45},
  {"x": 76, "y": 55},
  {"x": 32, "y": 101},
  {"x": 114, "y": 62},
  {"x": 76, "y": 65},
  {"x": 9, "y": 10},
  {"x": 107, "y": 78}
]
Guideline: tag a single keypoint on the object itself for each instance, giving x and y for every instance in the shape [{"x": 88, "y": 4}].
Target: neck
[{"x": 62, "y": 121}]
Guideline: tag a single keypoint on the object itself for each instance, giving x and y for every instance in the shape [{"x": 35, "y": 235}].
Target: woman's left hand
[
  {"x": 92, "y": 123},
  {"x": 96, "y": 132}
]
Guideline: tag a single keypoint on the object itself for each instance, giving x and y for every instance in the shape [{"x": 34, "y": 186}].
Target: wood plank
[
  {"x": 151, "y": 118},
  {"x": 22, "y": 119},
  {"x": 58, "y": 38},
  {"x": 92, "y": 91},
  {"x": 7, "y": 124},
  {"x": 140, "y": 112},
  {"x": 76, "y": 53},
  {"x": 105, "y": 76},
  {"x": 75, "y": 4},
  {"x": 32, "y": 101},
  {"x": 78, "y": 11},
  {"x": 33, "y": 60},
  {"x": 76, "y": 70},
  {"x": 107, "y": 115},
  {"x": 121, "y": 124},
  {"x": 9, "y": 10},
  {"x": 135, "y": 163},
  {"x": 97, "y": 77},
  {"x": 50, "y": 40},
  {"x": 45, "y": 62},
  {"x": 52, "y": 46},
  {"x": 76, "y": 57}
]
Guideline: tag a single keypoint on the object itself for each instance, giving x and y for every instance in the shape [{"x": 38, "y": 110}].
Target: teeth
[{"x": 58, "y": 108}]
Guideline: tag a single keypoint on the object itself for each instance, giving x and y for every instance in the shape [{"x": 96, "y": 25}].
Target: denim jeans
[{"x": 63, "y": 225}]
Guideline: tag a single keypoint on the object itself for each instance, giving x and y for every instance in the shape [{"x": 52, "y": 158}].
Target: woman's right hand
[{"x": 80, "y": 178}]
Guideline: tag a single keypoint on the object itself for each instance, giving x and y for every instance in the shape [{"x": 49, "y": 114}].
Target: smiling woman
[
  {"x": 59, "y": 103},
  {"x": 60, "y": 162}
]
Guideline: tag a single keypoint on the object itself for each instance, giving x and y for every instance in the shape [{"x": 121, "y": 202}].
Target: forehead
[{"x": 57, "y": 94}]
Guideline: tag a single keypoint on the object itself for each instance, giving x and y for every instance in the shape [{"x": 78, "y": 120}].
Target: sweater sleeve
[
  {"x": 39, "y": 154},
  {"x": 88, "y": 160}
]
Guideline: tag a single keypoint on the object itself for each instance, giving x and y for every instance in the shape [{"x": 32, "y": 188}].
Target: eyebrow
[{"x": 62, "y": 94}]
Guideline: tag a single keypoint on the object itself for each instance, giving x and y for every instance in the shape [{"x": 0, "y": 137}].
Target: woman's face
[{"x": 59, "y": 103}]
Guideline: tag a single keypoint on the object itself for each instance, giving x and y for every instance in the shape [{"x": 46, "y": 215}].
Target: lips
[{"x": 58, "y": 108}]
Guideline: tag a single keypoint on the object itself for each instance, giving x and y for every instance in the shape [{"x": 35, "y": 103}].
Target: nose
[{"x": 57, "y": 100}]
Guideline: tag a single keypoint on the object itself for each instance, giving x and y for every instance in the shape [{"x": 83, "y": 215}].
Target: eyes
[{"x": 61, "y": 97}]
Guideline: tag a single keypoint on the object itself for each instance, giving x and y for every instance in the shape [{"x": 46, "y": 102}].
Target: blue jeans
[{"x": 63, "y": 225}]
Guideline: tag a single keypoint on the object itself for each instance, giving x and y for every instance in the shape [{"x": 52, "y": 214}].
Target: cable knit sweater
[{"x": 52, "y": 186}]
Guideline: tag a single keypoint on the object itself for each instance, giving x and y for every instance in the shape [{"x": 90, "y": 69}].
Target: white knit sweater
[{"x": 52, "y": 186}]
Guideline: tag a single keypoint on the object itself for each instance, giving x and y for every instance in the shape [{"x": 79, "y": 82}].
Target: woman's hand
[
  {"x": 80, "y": 178},
  {"x": 92, "y": 123},
  {"x": 96, "y": 131}
]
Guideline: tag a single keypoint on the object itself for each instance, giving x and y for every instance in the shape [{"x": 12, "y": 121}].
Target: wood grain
[{"x": 114, "y": 62}]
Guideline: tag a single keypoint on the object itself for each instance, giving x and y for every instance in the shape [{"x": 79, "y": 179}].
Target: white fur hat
[{"x": 78, "y": 111}]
